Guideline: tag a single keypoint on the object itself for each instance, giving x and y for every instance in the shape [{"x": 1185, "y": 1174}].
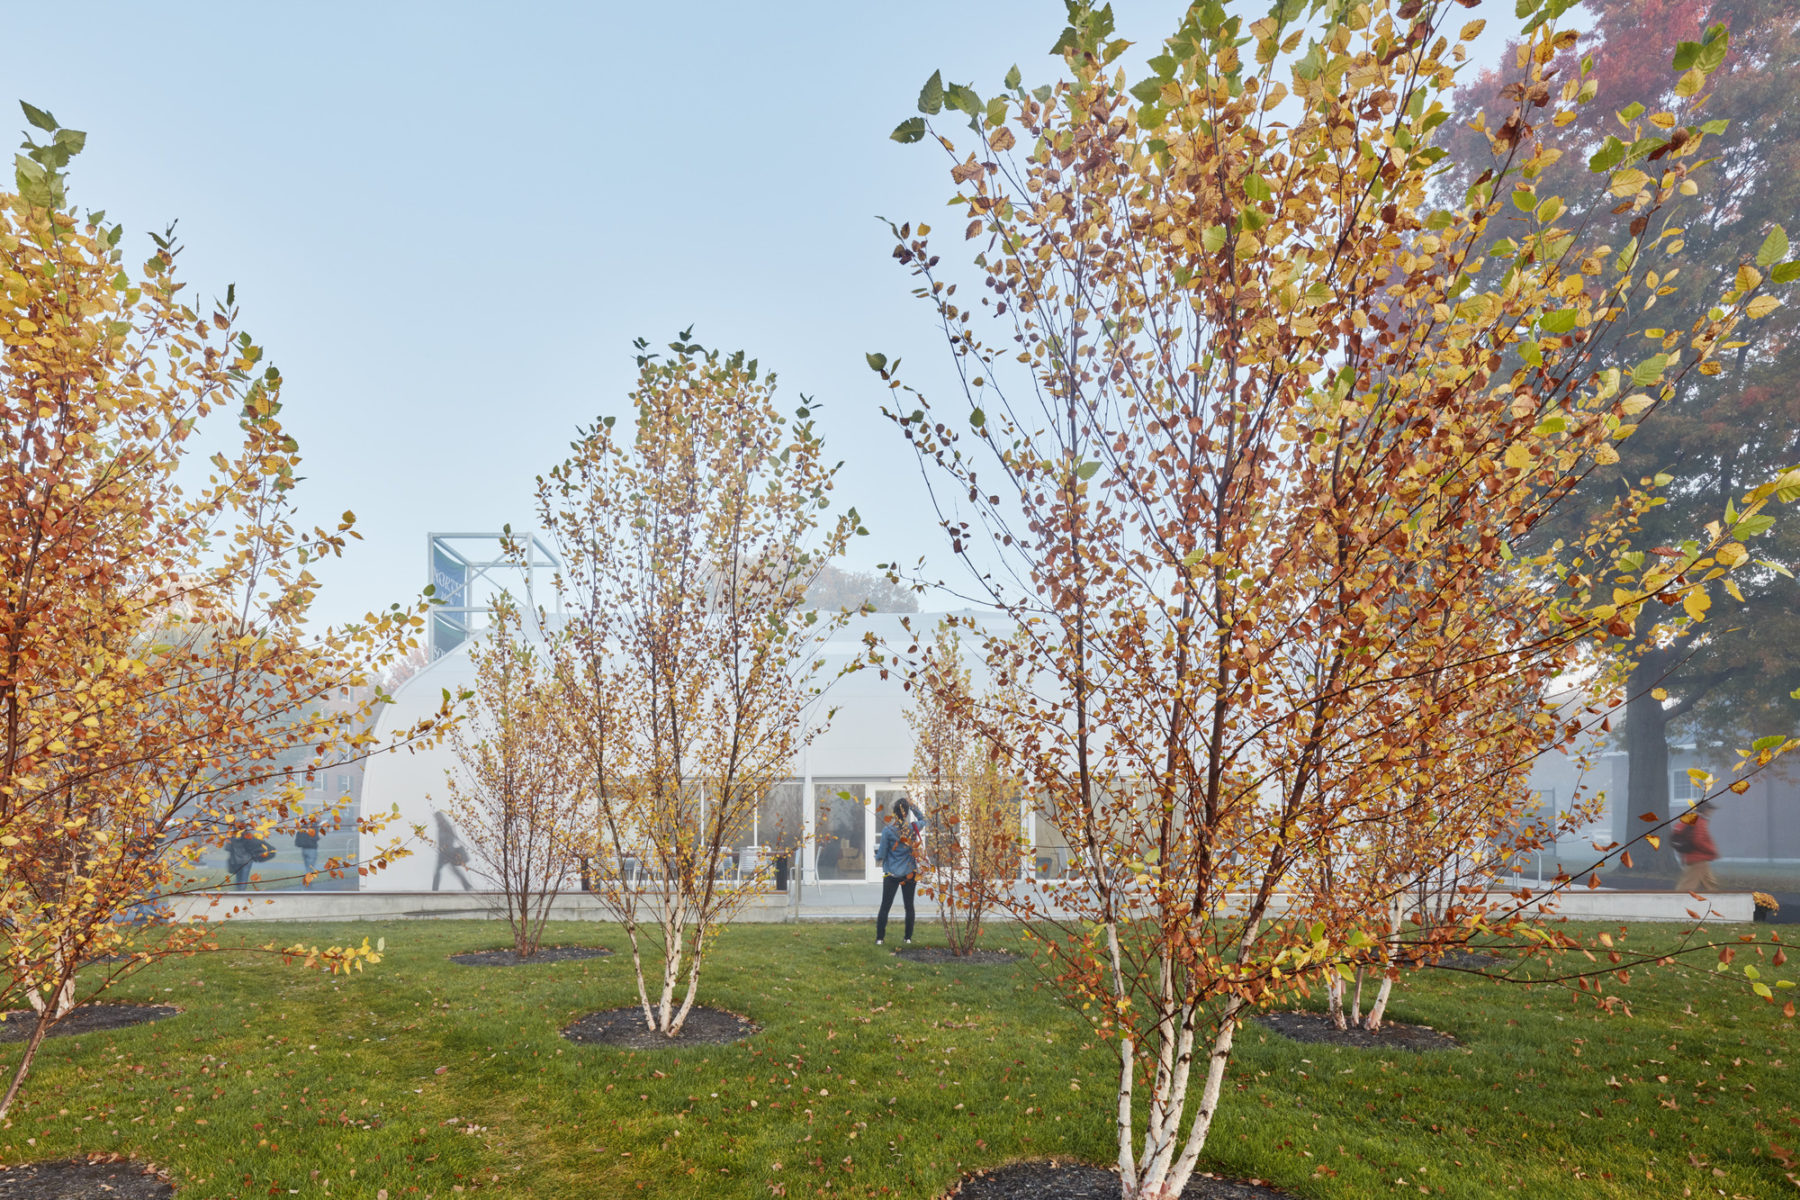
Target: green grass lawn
[{"x": 874, "y": 1077}]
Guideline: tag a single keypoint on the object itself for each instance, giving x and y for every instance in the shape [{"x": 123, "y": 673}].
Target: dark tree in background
[
  {"x": 840, "y": 587},
  {"x": 1733, "y": 676}
]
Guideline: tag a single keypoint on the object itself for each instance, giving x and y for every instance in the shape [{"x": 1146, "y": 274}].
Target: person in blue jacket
[{"x": 896, "y": 849}]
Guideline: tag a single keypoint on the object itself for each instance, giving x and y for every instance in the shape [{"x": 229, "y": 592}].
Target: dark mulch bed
[
  {"x": 69, "y": 1179},
  {"x": 942, "y": 954},
  {"x": 507, "y": 957},
  {"x": 1078, "y": 1181},
  {"x": 87, "y": 1018},
  {"x": 1466, "y": 961},
  {"x": 623, "y": 1028},
  {"x": 1317, "y": 1028}
]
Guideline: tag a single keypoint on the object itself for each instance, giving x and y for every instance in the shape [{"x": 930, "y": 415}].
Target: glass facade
[
  {"x": 1049, "y": 849},
  {"x": 841, "y": 830}
]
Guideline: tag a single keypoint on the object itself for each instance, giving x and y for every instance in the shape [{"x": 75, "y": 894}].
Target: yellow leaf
[
  {"x": 1696, "y": 602},
  {"x": 1518, "y": 456},
  {"x": 1628, "y": 181},
  {"x": 1732, "y": 587},
  {"x": 1748, "y": 277},
  {"x": 1659, "y": 693},
  {"x": 1606, "y": 456},
  {"x": 1762, "y": 306},
  {"x": 1634, "y": 404},
  {"x": 1731, "y": 554}
]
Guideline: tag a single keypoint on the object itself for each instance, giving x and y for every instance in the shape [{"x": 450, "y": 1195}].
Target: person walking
[
  {"x": 896, "y": 849},
  {"x": 242, "y": 852},
  {"x": 1693, "y": 840},
  {"x": 306, "y": 840}
]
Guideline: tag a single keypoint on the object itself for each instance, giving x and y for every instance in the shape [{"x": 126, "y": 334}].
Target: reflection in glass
[{"x": 840, "y": 830}]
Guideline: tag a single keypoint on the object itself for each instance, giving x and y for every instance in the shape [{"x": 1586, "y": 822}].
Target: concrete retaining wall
[{"x": 836, "y": 902}]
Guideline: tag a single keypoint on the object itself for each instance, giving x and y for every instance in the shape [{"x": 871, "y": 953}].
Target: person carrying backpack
[
  {"x": 306, "y": 840},
  {"x": 243, "y": 852},
  {"x": 896, "y": 849}
]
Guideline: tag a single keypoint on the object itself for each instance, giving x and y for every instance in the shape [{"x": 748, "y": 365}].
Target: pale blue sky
[{"x": 447, "y": 221}]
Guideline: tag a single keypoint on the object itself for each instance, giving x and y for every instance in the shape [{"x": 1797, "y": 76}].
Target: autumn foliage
[
  {"x": 689, "y": 538},
  {"x": 160, "y": 688},
  {"x": 518, "y": 796},
  {"x": 969, "y": 799},
  {"x": 1247, "y": 450}
]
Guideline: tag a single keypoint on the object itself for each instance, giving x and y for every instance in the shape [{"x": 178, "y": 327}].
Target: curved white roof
[{"x": 867, "y": 737}]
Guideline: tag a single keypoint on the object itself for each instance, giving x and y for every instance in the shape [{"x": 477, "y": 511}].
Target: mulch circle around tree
[
  {"x": 506, "y": 956},
  {"x": 1317, "y": 1028},
  {"x": 87, "y": 1018},
  {"x": 623, "y": 1028},
  {"x": 1465, "y": 961},
  {"x": 72, "y": 1179},
  {"x": 943, "y": 954},
  {"x": 1079, "y": 1181}
]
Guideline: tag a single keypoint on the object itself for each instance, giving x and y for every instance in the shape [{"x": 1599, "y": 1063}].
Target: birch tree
[
  {"x": 1243, "y": 447},
  {"x": 161, "y": 689},
  {"x": 689, "y": 538},
  {"x": 966, "y": 792},
  {"x": 519, "y": 796}
]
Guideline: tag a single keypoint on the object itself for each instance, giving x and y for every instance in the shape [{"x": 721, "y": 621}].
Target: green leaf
[
  {"x": 977, "y": 418},
  {"x": 1750, "y": 527},
  {"x": 1632, "y": 111},
  {"x": 910, "y": 130},
  {"x": 1438, "y": 220},
  {"x": 931, "y": 96},
  {"x": 1560, "y": 321},
  {"x": 1148, "y": 91},
  {"x": 1650, "y": 370},
  {"x": 1212, "y": 238},
  {"x": 961, "y": 96},
  {"x": 39, "y": 117},
  {"x": 1686, "y": 55},
  {"x": 1013, "y": 77},
  {"x": 1785, "y": 272},
  {"x": 1715, "y": 127},
  {"x": 1713, "y": 48},
  {"x": 1257, "y": 188},
  {"x": 1087, "y": 470},
  {"x": 1610, "y": 154},
  {"x": 876, "y": 362},
  {"x": 1774, "y": 248}
]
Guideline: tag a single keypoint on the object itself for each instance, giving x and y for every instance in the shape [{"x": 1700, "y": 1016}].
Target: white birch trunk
[
  {"x": 1373, "y": 1022},
  {"x": 1170, "y": 1187},
  {"x": 1334, "y": 998}
]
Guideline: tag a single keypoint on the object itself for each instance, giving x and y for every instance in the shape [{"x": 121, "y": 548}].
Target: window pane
[
  {"x": 838, "y": 826},
  {"x": 1050, "y": 849}
]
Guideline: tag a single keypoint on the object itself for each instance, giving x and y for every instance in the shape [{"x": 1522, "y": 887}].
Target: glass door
[{"x": 840, "y": 830}]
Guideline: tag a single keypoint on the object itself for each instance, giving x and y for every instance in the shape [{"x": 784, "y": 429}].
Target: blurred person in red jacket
[{"x": 1693, "y": 840}]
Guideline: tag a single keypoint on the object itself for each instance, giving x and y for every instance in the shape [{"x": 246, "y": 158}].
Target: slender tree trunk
[
  {"x": 1647, "y": 758},
  {"x": 1372, "y": 1022},
  {"x": 674, "y": 946},
  {"x": 1356, "y": 1001},
  {"x": 693, "y": 982},
  {"x": 31, "y": 1049},
  {"x": 1334, "y": 999},
  {"x": 1217, "y": 1062}
]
